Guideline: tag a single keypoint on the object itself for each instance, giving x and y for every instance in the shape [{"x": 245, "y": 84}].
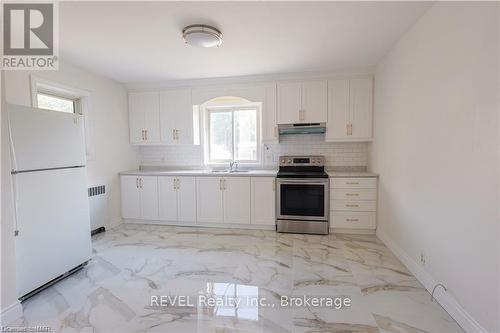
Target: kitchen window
[
  {"x": 233, "y": 134},
  {"x": 56, "y": 103},
  {"x": 57, "y": 97}
]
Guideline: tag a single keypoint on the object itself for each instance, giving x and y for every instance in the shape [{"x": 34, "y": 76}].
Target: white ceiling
[{"x": 141, "y": 41}]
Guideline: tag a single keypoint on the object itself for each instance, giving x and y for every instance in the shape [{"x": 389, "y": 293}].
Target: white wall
[
  {"x": 112, "y": 153},
  {"x": 436, "y": 148}
]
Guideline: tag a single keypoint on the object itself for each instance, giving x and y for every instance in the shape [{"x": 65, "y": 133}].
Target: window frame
[
  {"x": 80, "y": 96},
  {"x": 208, "y": 110}
]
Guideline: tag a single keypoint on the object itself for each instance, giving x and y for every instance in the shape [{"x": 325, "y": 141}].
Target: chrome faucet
[{"x": 233, "y": 166}]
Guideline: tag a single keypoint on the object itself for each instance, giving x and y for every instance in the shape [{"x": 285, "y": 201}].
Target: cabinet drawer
[
  {"x": 353, "y": 182},
  {"x": 355, "y": 206},
  {"x": 353, "y": 220},
  {"x": 353, "y": 194}
]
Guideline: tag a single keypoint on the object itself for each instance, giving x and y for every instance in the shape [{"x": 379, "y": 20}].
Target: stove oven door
[{"x": 303, "y": 199}]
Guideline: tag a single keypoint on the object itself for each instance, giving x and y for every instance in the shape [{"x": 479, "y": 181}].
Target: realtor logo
[{"x": 29, "y": 36}]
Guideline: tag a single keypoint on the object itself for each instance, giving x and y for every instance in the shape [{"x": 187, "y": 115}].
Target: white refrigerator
[{"x": 49, "y": 186}]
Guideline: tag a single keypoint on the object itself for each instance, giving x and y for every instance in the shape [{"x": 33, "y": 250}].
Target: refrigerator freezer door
[
  {"x": 42, "y": 139},
  {"x": 54, "y": 227}
]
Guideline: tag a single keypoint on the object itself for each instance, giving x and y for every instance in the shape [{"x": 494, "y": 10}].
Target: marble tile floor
[{"x": 134, "y": 265}]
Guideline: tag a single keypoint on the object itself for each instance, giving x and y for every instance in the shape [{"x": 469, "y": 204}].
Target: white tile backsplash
[{"x": 336, "y": 154}]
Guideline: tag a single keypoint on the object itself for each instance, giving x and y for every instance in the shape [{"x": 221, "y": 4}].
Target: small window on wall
[
  {"x": 232, "y": 134},
  {"x": 56, "y": 103}
]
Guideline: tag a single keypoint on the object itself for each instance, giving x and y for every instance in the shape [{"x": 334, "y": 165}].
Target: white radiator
[{"x": 98, "y": 203}]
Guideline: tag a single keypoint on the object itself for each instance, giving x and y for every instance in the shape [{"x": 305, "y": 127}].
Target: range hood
[{"x": 311, "y": 128}]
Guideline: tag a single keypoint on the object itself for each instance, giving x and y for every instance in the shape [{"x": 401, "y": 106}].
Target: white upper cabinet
[
  {"x": 361, "y": 107},
  {"x": 289, "y": 102},
  {"x": 176, "y": 116},
  {"x": 144, "y": 114},
  {"x": 350, "y": 109},
  {"x": 269, "y": 126},
  {"x": 314, "y": 102},
  {"x": 302, "y": 102}
]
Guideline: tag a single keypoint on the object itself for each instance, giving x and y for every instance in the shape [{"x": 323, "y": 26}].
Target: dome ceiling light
[{"x": 202, "y": 35}]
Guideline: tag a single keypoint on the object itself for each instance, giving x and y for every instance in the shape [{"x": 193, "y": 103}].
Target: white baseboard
[
  {"x": 447, "y": 301},
  {"x": 11, "y": 313}
]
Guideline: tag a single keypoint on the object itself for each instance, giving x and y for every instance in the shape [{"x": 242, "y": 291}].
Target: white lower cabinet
[
  {"x": 263, "y": 200},
  {"x": 236, "y": 200},
  {"x": 353, "y": 203},
  {"x": 223, "y": 200},
  {"x": 177, "y": 199},
  {"x": 209, "y": 207},
  {"x": 140, "y": 197}
]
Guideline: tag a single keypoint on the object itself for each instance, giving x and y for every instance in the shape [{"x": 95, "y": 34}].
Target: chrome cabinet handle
[
  {"x": 352, "y": 194},
  {"x": 352, "y": 183},
  {"x": 347, "y": 205},
  {"x": 141, "y": 182},
  {"x": 137, "y": 182},
  {"x": 352, "y": 220}
]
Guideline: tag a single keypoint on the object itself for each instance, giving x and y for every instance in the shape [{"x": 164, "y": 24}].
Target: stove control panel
[{"x": 302, "y": 161}]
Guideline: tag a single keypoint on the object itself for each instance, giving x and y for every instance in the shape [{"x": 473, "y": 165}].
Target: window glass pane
[
  {"x": 245, "y": 135},
  {"x": 221, "y": 136},
  {"x": 55, "y": 103}
]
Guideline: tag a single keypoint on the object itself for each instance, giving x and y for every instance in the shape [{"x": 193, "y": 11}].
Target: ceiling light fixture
[{"x": 202, "y": 35}]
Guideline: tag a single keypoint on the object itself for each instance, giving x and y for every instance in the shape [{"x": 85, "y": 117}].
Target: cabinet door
[
  {"x": 167, "y": 198},
  {"x": 237, "y": 200},
  {"x": 209, "y": 200},
  {"x": 263, "y": 200},
  {"x": 269, "y": 126},
  {"x": 131, "y": 197},
  {"x": 361, "y": 107},
  {"x": 151, "y": 109},
  {"x": 149, "y": 199},
  {"x": 167, "y": 117},
  {"x": 289, "y": 102},
  {"x": 186, "y": 199},
  {"x": 314, "y": 102},
  {"x": 184, "y": 116},
  {"x": 136, "y": 117},
  {"x": 338, "y": 110}
]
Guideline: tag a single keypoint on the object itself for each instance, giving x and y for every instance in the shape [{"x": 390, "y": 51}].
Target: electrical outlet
[{"x": 422, "y": 259}]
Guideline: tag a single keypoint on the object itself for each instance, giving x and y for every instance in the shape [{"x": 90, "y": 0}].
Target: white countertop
[
  {"x": 201, "y": 172},
  {"x": 246, "y": 173},
  {"x": 353, "y": 174}
]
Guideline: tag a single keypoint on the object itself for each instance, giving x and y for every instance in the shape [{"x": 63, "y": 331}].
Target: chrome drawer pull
[
  {"x": 352, "y": 205},
  {"x": 352, "y": 183},
  {"x": 352, "y": 194},
  {"x": 352, "y": 220}
]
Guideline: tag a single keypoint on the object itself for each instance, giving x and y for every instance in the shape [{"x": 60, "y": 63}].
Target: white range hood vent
[{"x": 294, "y": 129}]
